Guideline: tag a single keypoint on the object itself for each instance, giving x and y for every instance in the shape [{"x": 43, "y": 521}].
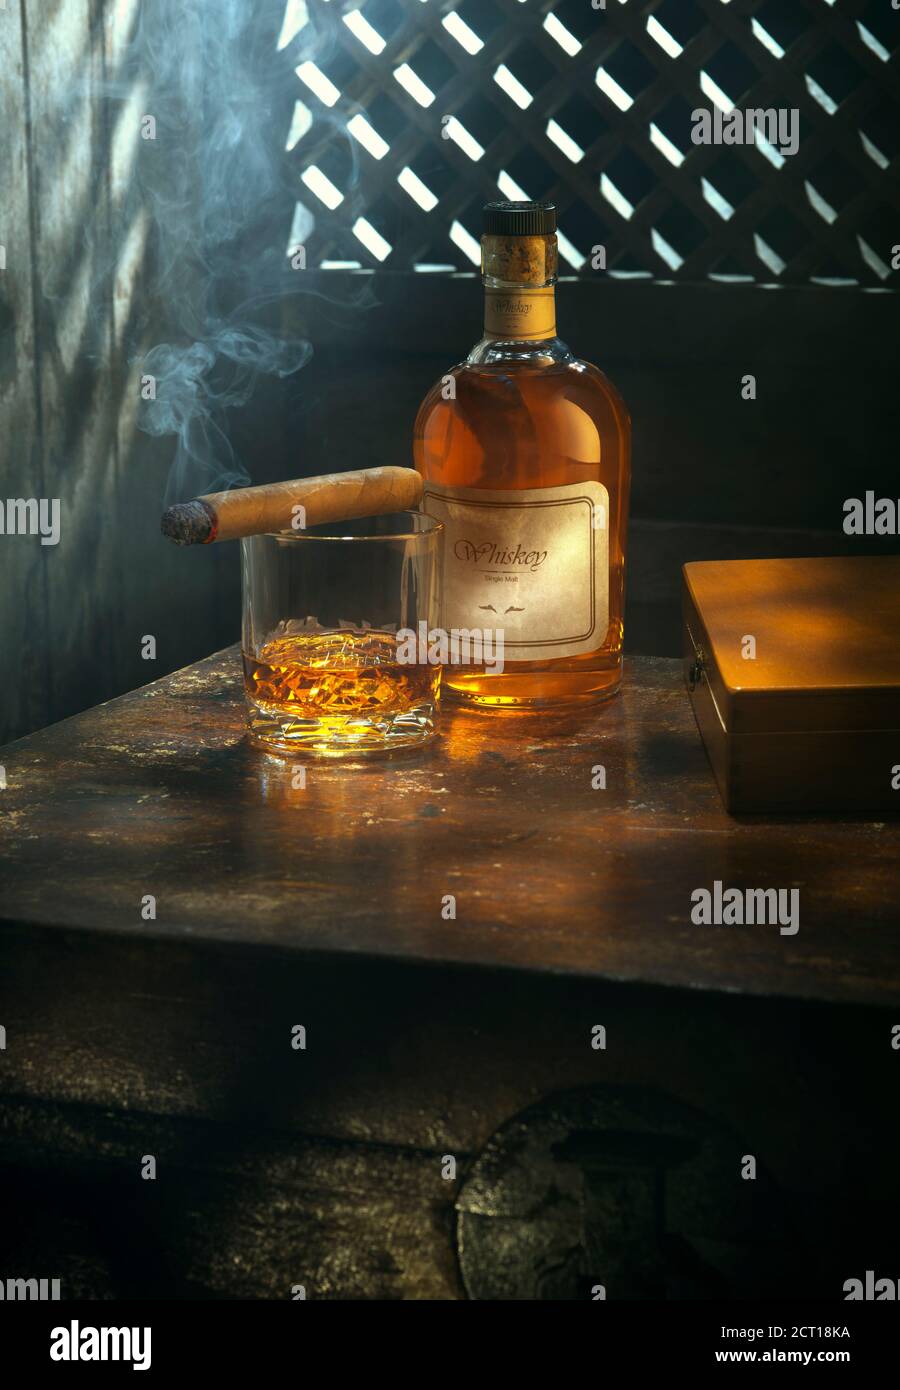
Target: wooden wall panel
[
  {"x": 77, "y": 310},
  {"x": 189, "y": 601},
  {"x": 23, "y": 627},
  {"x": 74, "y": 325}
]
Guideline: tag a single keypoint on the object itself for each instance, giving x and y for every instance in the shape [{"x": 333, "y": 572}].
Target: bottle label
[
  {"x": 520, "y": 313},
  {"x": 531, "y": 563}
]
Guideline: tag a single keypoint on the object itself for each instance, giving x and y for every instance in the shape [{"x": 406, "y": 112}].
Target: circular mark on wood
[{"x": 618, "y": 1187}]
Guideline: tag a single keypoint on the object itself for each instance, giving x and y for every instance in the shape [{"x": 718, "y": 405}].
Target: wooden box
[{"x": 793, "y": 668}]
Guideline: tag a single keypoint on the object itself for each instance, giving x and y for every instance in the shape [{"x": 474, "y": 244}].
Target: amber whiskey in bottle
[{"x": 525, "y": 455}]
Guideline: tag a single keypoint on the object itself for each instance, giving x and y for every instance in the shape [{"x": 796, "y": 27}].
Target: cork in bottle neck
[{"x": 518, "y": 261}]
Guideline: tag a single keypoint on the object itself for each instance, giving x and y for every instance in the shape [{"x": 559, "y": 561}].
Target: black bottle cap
[{"x": 519, "y": 219}]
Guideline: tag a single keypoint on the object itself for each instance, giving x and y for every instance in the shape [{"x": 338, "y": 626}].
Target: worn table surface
[{"x": 158, "y": 793}]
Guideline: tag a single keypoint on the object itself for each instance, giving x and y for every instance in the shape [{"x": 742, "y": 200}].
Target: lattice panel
[{"x": 410, "y": 114}]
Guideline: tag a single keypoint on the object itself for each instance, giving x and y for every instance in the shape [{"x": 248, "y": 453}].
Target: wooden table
[
  {"x": 326, "y": 905},
  {"x": 157, "y": 792}
]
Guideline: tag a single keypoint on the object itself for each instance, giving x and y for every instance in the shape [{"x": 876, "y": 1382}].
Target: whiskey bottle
[{"x": 525, "y": 455}]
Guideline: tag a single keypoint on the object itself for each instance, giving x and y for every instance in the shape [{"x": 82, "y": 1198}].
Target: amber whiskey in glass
[{"x": 525, "y": 455}]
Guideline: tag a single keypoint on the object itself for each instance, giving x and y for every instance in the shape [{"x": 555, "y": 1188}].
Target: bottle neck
[
  {"x": 519, "y": 275},
  {"x": 525, "y": 313}
]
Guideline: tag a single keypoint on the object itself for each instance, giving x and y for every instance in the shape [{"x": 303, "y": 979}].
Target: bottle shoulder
[
  {"x": 524, "y": 372},
  {"x": 593, "y": 374}
]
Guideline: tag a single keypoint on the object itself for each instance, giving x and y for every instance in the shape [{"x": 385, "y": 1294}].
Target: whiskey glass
[{"x": 328, "y": 614}]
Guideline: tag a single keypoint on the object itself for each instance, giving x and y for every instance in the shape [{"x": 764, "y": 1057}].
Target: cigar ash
[{"x": 189, "y": 523}]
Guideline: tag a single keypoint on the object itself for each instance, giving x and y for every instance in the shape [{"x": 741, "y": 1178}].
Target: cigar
[{"x": 253, "y": 511}]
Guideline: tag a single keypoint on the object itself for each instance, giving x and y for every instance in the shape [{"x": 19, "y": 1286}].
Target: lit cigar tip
[{"x": 187, "y": 523}]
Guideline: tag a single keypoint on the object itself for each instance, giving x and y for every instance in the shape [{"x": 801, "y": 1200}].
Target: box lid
[{"x": 826, "y": 636}]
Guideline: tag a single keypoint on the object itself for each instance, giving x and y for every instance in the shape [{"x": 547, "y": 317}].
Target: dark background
[{"x": 91, "y": 285}]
